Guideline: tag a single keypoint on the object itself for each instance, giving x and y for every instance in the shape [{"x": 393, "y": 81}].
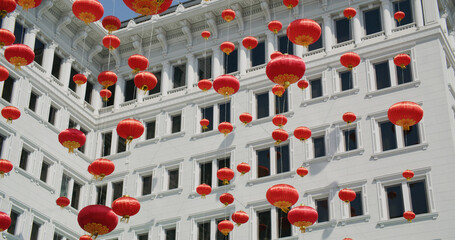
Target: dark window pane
[
  {"x": 207, "y": 113},
  {"x": 173, "y": 179},
  {"x": 263, "y": 158},
  {"x": 316, "y": 88},
  {"x": 150, "y": 132},
  {"x": 176, "y": 123},
  {"x": 8, "y": 86},
  {"x": 258, "y": 55},
  {"x": 206, "y": 173},
  {"x": 107, "y": 139},
  {"x": 395, "y": 201},
  {"x": 419, "y": 199},
  {"x": 179, "y": 76},
  {"x": 14, "y": 216},
  {"x": 170, "y": 234},
  {"x": 19, "y": 32},
  {"x": 76, "y": 194},
  {"x": 404, "y": 6},
  {"x": 231, "y": 62},
  {"x": 39, "y": 51},
  {"x": 412, "y": 136},
  {"x": 2, "y": 139},
  {"x": 52, "y": 115},
  {"x": 72, "y": 124},
  {"x": 24, "y": 159},
  {"x": 204, "y": 68},
  {"x": 147, "y": 184},
  {"x": 64, "y": 187},
  {"x": 117, "y": 190},
  {"x": 284, "y": 226},
  {"x": 72, "y": 84},
  {"x": 88, "y": 92},
  {"x": 382, "y": 75},
  {"x": 282, "y": 103},
  {"x": 356, "y": 205},
  {"x": 264, "y": 225},
  {"x": 282, "y": 158},
  {"x": 57, "y": 236},
  {"x": 404, "y": 75},
  {"x": 262, "y": 105},
  {"x": 225, "y": 112},
  {"x": 319, "y": 146},
  {"x": 284, "y": 45},
  {"x": 56, "y": 66},
  {"x": 110, "y": 102},
  {"x": 372, "y": 21},
  {"x": 121, "y": 145},
  {"x": 350, "y": 139},
  {"x": 223, "y": 163},
  {"x": 346, "y": 80},
  {"x": 130, "y": 90},
  {"x": 101, "y": 194},
  {"x": 82, "y": 149},
  {"x": 157, "y": 88},
  {"x": 203, "y": 231},
  {"x": 322, "y": 207},
  {"x": 44, "y": 170},
  {"x": 33, "y": 101},
  {"x": 318, "y": 43},
  {"x": 388, "y": 137},
  {"x": 343, "y": 30},
  {"x": 144, "y": 236},
  {"x": 35, "y": 231}
]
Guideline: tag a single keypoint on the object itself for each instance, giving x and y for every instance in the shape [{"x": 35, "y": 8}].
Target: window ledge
[
  {"x": 51, "y": 127},
  {"x": 34, "y": 115},
  {"x": 317, "y": 226},
  {"x": 357, "y": 219},
  {"x": 174, "y": 191},
  {"x": 173, "y": 135},
  {"x": 269, "y": 118},
  {"x": 8, "y": 236},
  {"x": 287, "y": 238},
  {"x": 72, "y": 210},
  {"x": 352, "y": 91},
  {"x": 147, "y": 142},
  {"x": 317, "y": 160},
  {"x": 218, "y": 189},
  {"x": 393, "y": 89},
  {"x": 400, "y": 220},
  {"x": 205, "y": 134},
  {"x": 118, "y": 155},
  {"x": 45, "y": 186},
  {"x": 82, "y": 155},
  {"x": 252, "y": 182},
  {"x": 341, "y": 155},
  {"x": 314, "y": 101},
  {"x": 146, "y": 197},
  {"x": 421, "y": 146},
  {"x": 34, "y": 180}
]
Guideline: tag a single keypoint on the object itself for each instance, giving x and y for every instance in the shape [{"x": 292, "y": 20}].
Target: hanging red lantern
[
  {"x": 79, "y": 79},
  {"x": 243, "y": 168},
  {"x": 203, "y": 190},
  {"x": 279, "y": 135},
  {"x": 302, "y": 217},
  {"x": 6, "y": 37},
  {"x": 250, "y": 42},
  {"x": 148, "y": 7},
  {"x": 107, "y": 78},
  {"x": 275, "y": 26},
  {"x": 72, "y": 139},
  {"x": 101, "y": 168},
  {"x": 225, "y": 174},
  {"x": 350, "y": 60},
  {"x": 405, "y": 114},
  {"x": 349, "y": 117},
  {"x": 282, "y": 196},
  {"x": 285, "y": 69},
  {"x": 228, "y": 15},
  {"x": 111, "y": 42},
  {"x": 347, "y": 195},
  {"x": 408, "y": 174},
  {"x": 225, "y": 128},
  {"x": 27, "y": 4},
  {"x": 227, "y": 47},
  {"x": 130, "y": 129},
  {"x": 240, "y": 217},
  {"x": 302, "y": 133},
  {"x": 5, "y": 221},
  {"x": 138, "y": 63},
  {"x": 97, "y": 219},
  {"x": 402, "y": 60},
  {"x": 278, "y": 90},
  {"x": 290, "y": 3},
  {"x": 347, "y": 238},
  {"x": 245, "y": 118},
  {"x": 85, "y": 237},
  {"x": 399, "y": 16},
  {"x": 204, "y": 84},
  {"x": 275, "y": 54},
  {"x": 19, "y": 55},
  {"x": 349, "y": 13},
  {"x": 105, "y": 94},
  {"x": 226, "y": 198},
  {"x": 4, "y": 73},
  {"x": 279, "y": 120},
  {"x": 302, "y": 84},
  {"x": 111, "y": 23},
  {"x": 303, "y": 32},
  {"x": 205, "y": 35},
  {"x": 225, "y": 227},
  {"x": 126, "y": 207},
  {"x": 302, "y": 171},
  {"x": 87, "y": 10},
  {"x": 226, "y": 85},
  {"x": 204, "y": 123},
  {"x": 11, "y": 113},
  {"x": 409, "y": 215},
  {"x": 145, "y": 81},
  {"x": 5, "y": 167},
  {"x": 62, "y": 202},
  {"x": 7, "y": 6}
]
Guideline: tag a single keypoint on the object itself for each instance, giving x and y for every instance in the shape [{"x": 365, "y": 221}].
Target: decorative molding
[
  {"x": 116, "y": 55},
  {"x": 44, "y": 8},
  {"x": 186, "y": 29},
  {"x": 239, "y": 17},
  {"x": 97, "y": 49},
  {"x": 137, "y": 43},
  {"x": 211, "y": 21},
  {"x": 161, "y": 36},
  {"x": 266, "y": 10},
  {"x": 63, "y": 21}
]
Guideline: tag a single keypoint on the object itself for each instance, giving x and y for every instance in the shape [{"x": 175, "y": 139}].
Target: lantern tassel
[
  {"x": 129, "y": 140},
  {"x": 125, "y": 219},
  {"x": 302, "y": 229},
  {"x": 285, "y": 209},
  {"x": 203, "y": 196},
  {"x": 225, "y": 182},
  {"x": 409, "y": 220},
  {"x": 9, "y": 120},
  {"x": 2, "y": 174}
]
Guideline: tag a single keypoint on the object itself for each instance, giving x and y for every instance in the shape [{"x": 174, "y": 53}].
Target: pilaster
[
  {"x": 119, "y": 92},
  {"x": 387, "y": 17},
  {"x": 271, "y": 44},
  {"x": 216, "y": 62},
  {"x": 48, "y": 57},
  {"x": 9, "y": 21},
  {"x": 165, "y": 77},
  {"x": 243, "y": 59},
  {"x": 418, "y": 13},
  {"x": 357, "y": 27},
  {"x": 65, "y": 71},
  {"x": 30, "y": 36},
  {"x": 190, "y": 70}
]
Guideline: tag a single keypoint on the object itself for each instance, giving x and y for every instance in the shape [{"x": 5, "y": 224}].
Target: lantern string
[
  {"x": 251, "y": 13},
  {"x": 288, "y": 41},
  {"x": 83, "y": 51},
  {"x": 113, "y": 7}
]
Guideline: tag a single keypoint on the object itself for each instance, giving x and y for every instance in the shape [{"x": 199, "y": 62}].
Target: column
[
  {"x": 48, "y": 57},
  {"x": 243, "y": 60},
  {"x": 216, "y": 62},
  {"x": 80, "y": 90},
  {"x": 30, "y": 36},
  {"x": 357, "y": 28},
  {"x": 328, "y": 36},
  {"x": 271, "y": 46},
  {"x": 165, "y": 73},
  {"x": 299, "y": 50},
  {"x": 190, "y": 70},
  {"x": 418, "y": 14},
  {"x": 386, "y": 13},
  {"x": 10, "y": 21},
  {"x": 97, "y": 102},
  {"x": 65, "y": 71},
  {"x": 444, "y": 23},
  {"x": 119, "y": 92}
]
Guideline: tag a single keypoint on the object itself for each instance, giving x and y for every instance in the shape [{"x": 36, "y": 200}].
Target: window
[
  {"x": 285, "y": 45},
  {"x": 101, "y": 193},
  {"x": 176, "y": 123},
  {"x": 419, "y": 199},
  {"x": 65, "y": 185},
  {"x": 88, "y": 92},
  {"x": 264, "y": 225},
  {"x": 150, "y": 131},
  {"x": 203, "y": 231},
  {"x": 207, "y": 113},
  {"x": 147, "y": 184},
  {"x": 19, "y": 32},
  {"x": 225, "y": 112},
  {"x": 56, "y": 66},
  {"x": 206, "y": 173},
  {"x": 8, "y": 87},
  {"x": 39, "y": 51},
  {"x": 223, "y": 163},
  {"x": 346, "y": 80},
  {"x": 25, "y": 155},
  {"x": 72, "y": 85},
  {"x": 404, "y": 75},
  {"x": 130, "y": 90},
  {"x": 262, "y": 101},
  {"x": 58, "y": 236},
  {"x": 82, "y": 148},
  {"x": 143, "y": 236},
  {"x": 170, "y": 234},
  {"x": 107, "y": 137},
  {"x": 258, "y": 54},
  {"x": 2, "y": 139},
  {"x": 282, "y": 158},
  {"x": 52, "y": 115},
  {"x": 284, "y": 226},
  {"x": 404, "y": 6},
  {"x": 121, "y": 145},
  {"x": 356, "y": 207},
  {"x": 411, "y": 137},
  {"x": 117, "y": 189},
  {"x": 33, "y": 101},
  {"x": 388, "y": 136},
  {"x": 382, "y": 75},
  {"x": 263, "y": 160},
  {"x": 76, "y": 194},
  {"x": 319, "y": 146},
  {"x": 204, "y": 67},
  {"x": 72, "y": 124},
  {"x": 110, "y": 102},
  {"x": 35, "y": 231},
  {"x": 318, "y": 44},
  {"x": 322, "y": 207},
  {"x": 44, "y": 171},
  {"x": 343, "y": 30},
  {"x": 231, "y": 62},
  {"x": 157, "y": 88},
  {"x": 316, "y": 87},
  {"x": 395, "y": 201},
  {"x": 372, "y": 21},
  {"x": 173, "y": 178},
  {"x": 14, "y": 215},
  {"x": 218, "y": 234},
  {"x": 282, "y": 103},
  {"x": 179, "y": 76},
  {"x": 350, "y": 139}
]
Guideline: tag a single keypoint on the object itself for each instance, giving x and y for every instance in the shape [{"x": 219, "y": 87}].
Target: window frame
[
  {"x": 322, "y": 193},
  {"x": 340, "y": 128},
  {"x": 165, "y": 168},
  {"x": 169, "y": 116},
  {"x": 337, "y": 82},
  {"x": 208, "y": 55},
  {"x": 335, "y": 37},
  {"x": 272, "y": 104},
  {"x": 357, "y": 186},
  {"x": 216, "y": 115},
  {"x": 210, "y": 216},
  {"x": 381, "y": 19},
  {"x": 261, "y": 39},
  {"x": 172, "y": 72},
  {"x": 407, "y": 14},
  {"x": 73, "y": 178}
]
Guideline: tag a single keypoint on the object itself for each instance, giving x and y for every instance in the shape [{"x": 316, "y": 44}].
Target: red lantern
[
  {"x": 228, "y": 15},
  {"x": 62, "y": 202},
  {"x": 302, "y": 84},
  {"x": 408, "y": 174},
  {"x": 130, "y": 129},
  {"x": 347, "y": 238},
  {"x": 302, "y": 171},
  {"x": 279, "y": 120},
  {"x": 101, "y": 168},
  {"x": 105, "y": 94},
  {"x": 7, "y": 6},
  {"x": 227, "y": 47},
  {"x": 226, "y": 85},
  {"x": 111, "y": 42},
  {"x": 111, "y": 23},
  {"x": 85, "y": 237},
  {"x": 226, "y": 198},
  {"x": 5, "y": 221},
  {"x": 409, "y": 215},
  {"x": 205, "y": 35},
  {"x": 225, "y": 128},
  {"x": 5, "y": 167},
  {"x": 275, "y": 54},
  {"x": 204, "y": 123},
  {"x": 245, "y": 118},
  {"x": 402, "y": 60},
  {"x": 399, "y": 15},
  {"x": 302, "y": 133},
  {"x": 278, "y": 90},
  {"x": 282, "y": 196},
  {"x": 27, "y": 4},
  {"x": 203, "y": 190},
  {"x": 350, "y": 60},
  {"x": 204, "y": 84},
  {"x": 405, "y": 114},
  {"x": 138, "y": 63},
  {"x": 279, "y": 135},
  {"x": 4, "y": 73},
  {"x": 126, "y": 207},
  {"x": 6, "y": 37},
  {"x": 225, "y": 227},
  {"x": 275, "y": 26},
  {"x": 250, "y": 42},
  {"x": 240, "y": 217},
  {"x": 19, "y": 55},
  {"x": 225, "y": 174},
  {"x": 346, "y": 195},
  {"x": 71, "y": 138},
  {"x": 303, "y": 32},
  {"x": 88, "y": 10},
  {"x": 79, "y": 79},
  {"x": 148, "y": 7},
  {"x": 302, "y": 217},
  {"x": 285, "y": 69},
  {"x": 11, "y": 113},
  {"x": 97, "y": 219},
  {"x": 145, "y": 81},
  {"x": 243, "y": 168},
  {"x": 349, "y": 117},
  {"x": 290, "y": 3},
  {"x": 349, "y": 13},
  {"x": 107, "y": 78}
]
